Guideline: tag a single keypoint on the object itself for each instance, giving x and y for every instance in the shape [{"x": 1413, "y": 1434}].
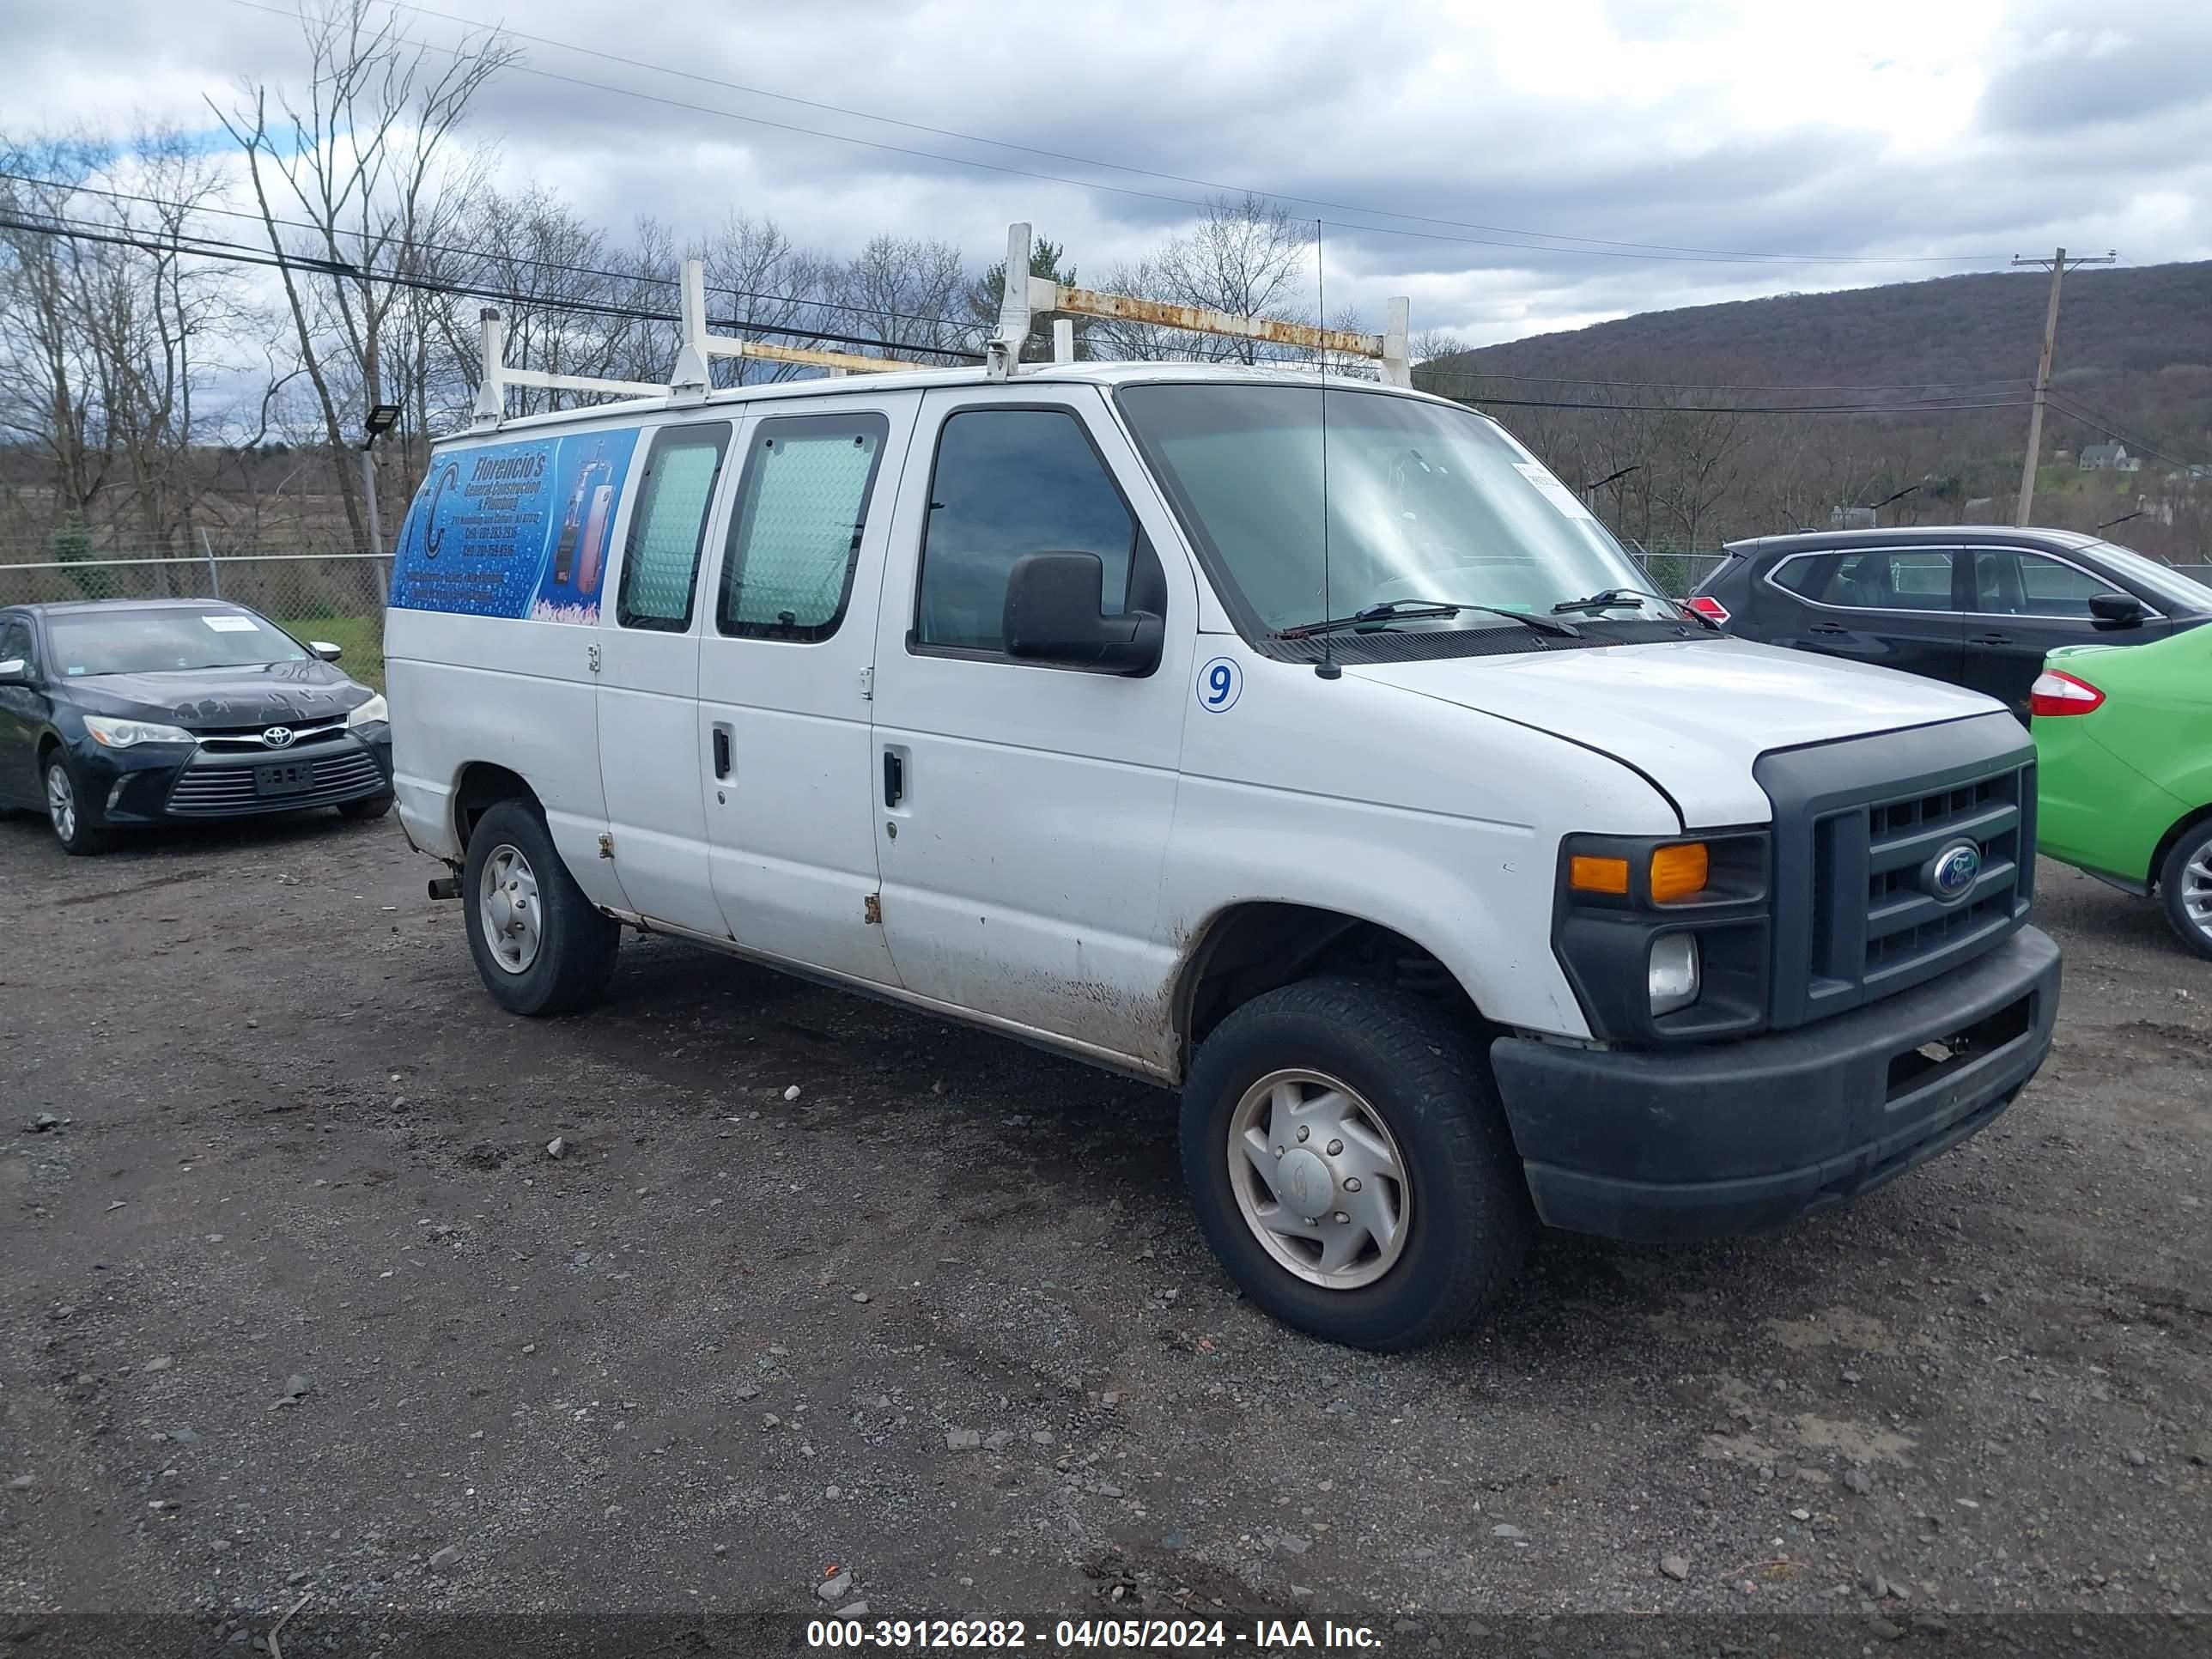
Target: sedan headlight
[
  {"x": 123, "y": 734},
  {"x": 370, "y": 713}
]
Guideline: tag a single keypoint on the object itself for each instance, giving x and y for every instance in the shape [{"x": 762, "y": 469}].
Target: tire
[
  {"x": 567, "y": 963},
  {"x": 64, "y": 812},
  {"x": 2185, "y": 884},
  {"x": 366, "y": 810},
  {"x": 1465, "y": 1222}
]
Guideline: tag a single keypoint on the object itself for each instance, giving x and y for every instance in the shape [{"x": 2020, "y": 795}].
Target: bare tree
[
  {"x": 366, "y": 175},
  {"x": 1246, "y": 256}
]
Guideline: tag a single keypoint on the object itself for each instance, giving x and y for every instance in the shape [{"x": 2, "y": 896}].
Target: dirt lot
[{"x": 298, "y": 1305}]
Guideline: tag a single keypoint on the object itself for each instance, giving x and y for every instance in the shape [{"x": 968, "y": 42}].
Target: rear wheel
[
  {"x": 2185, "y": 883},
  {"x": 1351, "y": 1166},
  {"x": 539, "y": 945},
  {"x": 65, "y": 812}
]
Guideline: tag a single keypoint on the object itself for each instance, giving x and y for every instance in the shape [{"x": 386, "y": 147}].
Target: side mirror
[
  {"x": 325, "y": 650},
  {"x": 15, "y": 671},
  {"x": 1055, "y": 612},
  {"x": 2118, "y": 610}
]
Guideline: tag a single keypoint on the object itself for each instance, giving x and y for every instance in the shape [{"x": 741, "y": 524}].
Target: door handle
[
  {"x": 722, "y": 751},
  {"x": 1830, "y": 629},
  {"x": 1991, "y": 639},
  {"x": 894, "y": 778}
]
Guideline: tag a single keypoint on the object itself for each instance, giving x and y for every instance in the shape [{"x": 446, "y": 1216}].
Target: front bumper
[
  {"x": 1737, "y": 1138},
  {"x": 167, "y": 783}
]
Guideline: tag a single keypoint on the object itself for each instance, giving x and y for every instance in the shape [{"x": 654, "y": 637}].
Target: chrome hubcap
[
  {"x": 1319, "y": 1179},
  {"x": 506, "y": 908},
  {"x": 2196, "y": 889},
  {"x": 61, "y": 802}
]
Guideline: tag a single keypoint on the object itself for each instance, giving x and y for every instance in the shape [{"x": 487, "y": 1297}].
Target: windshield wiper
[
  {"x": 1410, "y": 609},
  {"x": 1617, "y": 598}
]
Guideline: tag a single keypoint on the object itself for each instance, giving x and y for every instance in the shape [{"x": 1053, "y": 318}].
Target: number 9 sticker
[{"x": 1220, "y": 683}]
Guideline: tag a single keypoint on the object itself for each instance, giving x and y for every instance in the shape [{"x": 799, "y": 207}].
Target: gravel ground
[{"x": 298, "y": 1304}]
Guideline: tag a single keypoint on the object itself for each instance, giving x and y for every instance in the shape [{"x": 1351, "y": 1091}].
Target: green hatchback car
[{"x": 2123, "y": 737}]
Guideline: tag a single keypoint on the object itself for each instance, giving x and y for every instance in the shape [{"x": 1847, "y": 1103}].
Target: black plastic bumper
[
  {"x": 1742, "y": 1137},
  {"x": 169, "y": 783}
]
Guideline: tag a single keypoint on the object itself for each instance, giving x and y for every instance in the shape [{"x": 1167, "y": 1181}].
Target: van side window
[
  {"x": 660, "y": 561},
  {"x": 795, "y": 535},
  {"x": 1010, "y": 481}
]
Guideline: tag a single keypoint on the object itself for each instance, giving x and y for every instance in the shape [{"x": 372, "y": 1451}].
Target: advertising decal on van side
[{"x": 515, "y": 530}]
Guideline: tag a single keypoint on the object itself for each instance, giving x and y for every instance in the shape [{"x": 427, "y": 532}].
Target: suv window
[
  {"x": 2008, "y": 583},
  {"x": 660, "y": 562},
  {"x": 795, "y": 535},
  {"x": 14, "y": 639},
  {"x": 1880, "y": 579},
  {"x": 1010, "y": 481}
]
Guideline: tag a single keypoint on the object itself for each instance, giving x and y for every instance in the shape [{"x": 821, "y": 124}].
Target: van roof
[{"x": 1082, "y": 373}]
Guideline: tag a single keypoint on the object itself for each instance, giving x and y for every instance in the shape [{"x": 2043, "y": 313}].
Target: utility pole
[{"x": 2057, "y": 265}]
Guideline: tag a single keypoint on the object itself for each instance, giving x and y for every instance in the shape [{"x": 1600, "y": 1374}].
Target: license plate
[{"x": 291, "y": 778}]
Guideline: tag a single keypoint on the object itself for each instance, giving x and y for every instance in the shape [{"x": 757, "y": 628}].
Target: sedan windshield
[
  {"x": 163, "y": 642},
  {"x": 1425, "y": 501}
]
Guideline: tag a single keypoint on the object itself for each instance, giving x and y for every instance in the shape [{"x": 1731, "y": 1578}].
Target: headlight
[
  {"x": 1664, "y": 938},
  {"x": 121, "y": 734},
  {"x": 370, "y": 711},
  {"x": 1674, "y": 975}
]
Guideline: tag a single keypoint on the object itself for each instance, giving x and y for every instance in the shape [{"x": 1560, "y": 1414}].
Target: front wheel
[
  {"x": 66, "y": 814},
  {"x": 539, "y": 945},
  {"x": 367, "y": 809},
  {"x": 1351, "y": 1165},
  {"x": 2185, "y": 883}
]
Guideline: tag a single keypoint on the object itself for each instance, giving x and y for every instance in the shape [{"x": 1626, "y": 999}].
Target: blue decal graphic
[
  {"x": 515, "y": 530},
  {"x": 1220, "y": 683}
]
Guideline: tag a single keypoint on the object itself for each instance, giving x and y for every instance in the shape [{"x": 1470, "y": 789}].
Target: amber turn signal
[
  {"x": 1679, "y": 871},
  {"x": 1587, "y": 875}
]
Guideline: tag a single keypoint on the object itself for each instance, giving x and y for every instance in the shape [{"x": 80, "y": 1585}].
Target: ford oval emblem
[
  {"x": 278, "y": 737},
  {"x": 1950, "y": 875}
]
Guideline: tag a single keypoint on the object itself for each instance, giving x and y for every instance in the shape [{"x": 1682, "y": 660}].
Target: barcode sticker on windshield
[
  {"x": 231, "y": 624},
  {"x": 1553, "y": 490}
]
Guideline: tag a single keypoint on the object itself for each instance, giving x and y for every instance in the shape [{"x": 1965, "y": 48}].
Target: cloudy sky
[{"x": 1516, "y": 165}]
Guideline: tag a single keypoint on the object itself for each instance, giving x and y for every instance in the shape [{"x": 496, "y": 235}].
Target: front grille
[
  {"x": 218, "y": 791},
  {"x": 246, "y": 740},
  {"x": 1855, "y": 917},
  {"x": 1905, "y": 926}
]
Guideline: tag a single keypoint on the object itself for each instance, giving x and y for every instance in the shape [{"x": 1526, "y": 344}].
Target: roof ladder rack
[
  {"x": 499, "y": 375},
  {"x": 1041, "y": 295},
  {"x": 692, "y": 379}
]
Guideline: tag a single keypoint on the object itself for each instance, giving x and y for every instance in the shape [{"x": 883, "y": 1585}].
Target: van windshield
[{"x": 1426, "y": 502}]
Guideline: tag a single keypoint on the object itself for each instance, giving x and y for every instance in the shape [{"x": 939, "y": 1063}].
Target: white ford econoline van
[{"x": 1459, "y": 885}]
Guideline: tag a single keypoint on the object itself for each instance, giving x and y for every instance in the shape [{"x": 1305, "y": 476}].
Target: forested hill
[{"x": 2134, "y": 344}]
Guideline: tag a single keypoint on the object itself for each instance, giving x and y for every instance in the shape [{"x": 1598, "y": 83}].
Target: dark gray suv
[{"x": 1974, "y": 605}]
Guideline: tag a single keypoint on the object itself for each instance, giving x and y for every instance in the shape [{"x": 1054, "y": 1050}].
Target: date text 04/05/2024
[{"x": 1013, "y": 1635}]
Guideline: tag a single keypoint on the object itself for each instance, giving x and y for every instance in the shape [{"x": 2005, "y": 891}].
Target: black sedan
[
  {"x": 134, "y": 712},
  {"x": 1975, "y": 605}
]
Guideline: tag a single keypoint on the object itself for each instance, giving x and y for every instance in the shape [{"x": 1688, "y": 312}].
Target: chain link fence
[{"x": 337, "y": 597}]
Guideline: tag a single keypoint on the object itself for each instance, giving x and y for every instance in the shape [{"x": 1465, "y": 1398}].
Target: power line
[
  {"x": 1597, "y": 242},
  {"x": 2015, "y": 383},
  {"x": 238, "y": 253},
  {"x": 1601, "y": 252},
  {"x": 1965, "y": 401},
  {"x": 488, "y": 255},
  {"x": 2111, "y": 428}
]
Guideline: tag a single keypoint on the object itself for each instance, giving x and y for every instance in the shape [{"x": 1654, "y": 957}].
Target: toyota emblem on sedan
[
  {"x": 1949, "y": 875},
  {"x": 278, "y": 737}
]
